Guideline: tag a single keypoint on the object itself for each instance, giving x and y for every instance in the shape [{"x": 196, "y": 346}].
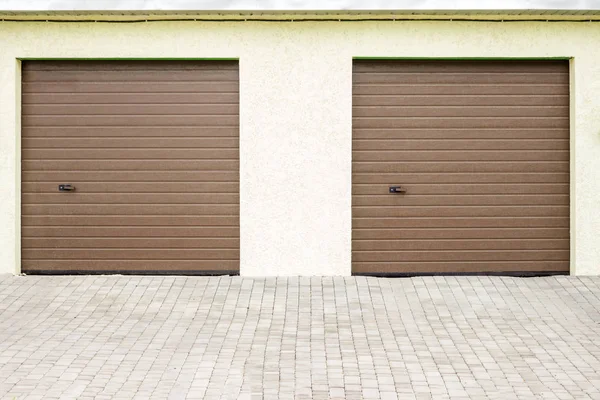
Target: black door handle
[
  {"x": 66, "y": 187},
  {"x": 397, "y": 189}
]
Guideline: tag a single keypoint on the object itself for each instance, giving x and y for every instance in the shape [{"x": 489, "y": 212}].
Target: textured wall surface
[{"x": 295, "y": 138}]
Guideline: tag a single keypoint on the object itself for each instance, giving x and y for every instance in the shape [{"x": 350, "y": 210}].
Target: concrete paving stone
[{"x": 343, "y": 337}]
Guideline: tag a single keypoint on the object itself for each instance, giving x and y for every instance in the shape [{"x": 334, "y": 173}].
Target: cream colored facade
[{"x": 296, "y": 117}]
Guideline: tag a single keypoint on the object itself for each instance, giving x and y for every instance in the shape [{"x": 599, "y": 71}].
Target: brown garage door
[
  {"x": 151, "y": 148},
  {"x": 482, "y": 150}
]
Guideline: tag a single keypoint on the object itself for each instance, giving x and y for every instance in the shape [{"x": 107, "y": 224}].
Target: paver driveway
[{"x": 108, "y": 337}]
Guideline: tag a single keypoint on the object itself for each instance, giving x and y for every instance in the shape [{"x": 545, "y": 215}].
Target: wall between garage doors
[{"x": 295, "y": 117}]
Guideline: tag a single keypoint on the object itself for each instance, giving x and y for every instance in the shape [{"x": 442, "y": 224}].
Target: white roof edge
[{"x": 458, "y": 6}]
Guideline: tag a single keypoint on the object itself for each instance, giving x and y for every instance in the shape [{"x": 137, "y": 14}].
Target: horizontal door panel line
[
  {"x": 452, "y": 150},
  {"x": 125, "y": 82},
  {"x": 201, "y": 126},
  {"x": 130, "y": 215},
  {"x": 149, "y": 137},
  {"x": 459, "y": 118},
  {"x": 459, "y": 229},
  {"x": 450, "y": 161},
  {"x": 432, "y": 139},
  {"x": 216, "y": 260},
  {"x": 143, "y": 159},
  {"x": 460, "y": 85},
  {"x": 220, "y": 92},
  {"x": 460, "y": 184},
  {"x": 566, "y": 239},
  {"x": 461, "y": 129},
  {"x": 140, "y": 147},
  {"x": 133, "y": 104},
  {"x": 137, "y": 115},
  {"x": 142, "y": 192},
  {"x": 451, "y": 96},
  {"x": 427, "y": 218},
  {"x": 131, "y": 170},
  {"x": 135, "y": 204},
  {"x": 132, "y": 237},
  {"x": 474, "y": 238},
  {"x": 128, "y": 248},
  {"x": 138, "y": 181},
  {"x": 126, "y": 226},
  {"x": 447, "y": 72},
  {"x": 457, "y": 262},
  {"x": 364, "y": 252},
  {"x": 460, "y": 107},
  {"x": 453, "y": 195},
  {"x": 483, "y": 174},
  {"x": 49, "y": 214},
  {"x": 401, "y": 162},
  {"x": 458, "y": 206}
]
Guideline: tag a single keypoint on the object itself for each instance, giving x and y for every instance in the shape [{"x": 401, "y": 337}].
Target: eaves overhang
[{"x": 568, "y": 10}]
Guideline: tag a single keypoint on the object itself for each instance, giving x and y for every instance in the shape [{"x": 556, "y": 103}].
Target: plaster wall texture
[{"x": 296, "y": 117}]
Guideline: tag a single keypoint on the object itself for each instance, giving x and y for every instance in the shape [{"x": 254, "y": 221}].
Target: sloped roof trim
[{"x": 541, "y": 7}]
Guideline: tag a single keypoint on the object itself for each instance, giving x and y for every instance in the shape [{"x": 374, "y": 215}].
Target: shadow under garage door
[
  {"x": 151, "y": 149},
  {"x": 460, "y": 167}
]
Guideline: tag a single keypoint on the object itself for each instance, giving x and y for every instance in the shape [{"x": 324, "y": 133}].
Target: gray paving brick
[{"x": 131, "y": 337}]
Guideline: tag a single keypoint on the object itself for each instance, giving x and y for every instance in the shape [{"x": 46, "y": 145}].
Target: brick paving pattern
[{"x": 115, "y": 337}]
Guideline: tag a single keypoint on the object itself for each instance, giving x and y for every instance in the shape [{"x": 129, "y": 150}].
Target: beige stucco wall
[{"x": 295, "y": 97}]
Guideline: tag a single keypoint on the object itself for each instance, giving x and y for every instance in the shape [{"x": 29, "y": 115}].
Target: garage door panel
[
  {"x": 460, "y": 89},
  {"x": 459, "y": 234},
  {"x": 125, "y": 77},
  {"x": 133, "y": 154},
  {"x": 459, "y": 200},
  {"x": 130, "y": 231},
  {"x": 464, "y": 167},
  {"x": 466, "y": 189},
  {"x": 458, "y": 178},
  {"x": 465, "y": 133},
  {"x": 130, "y": 99},
  {"x": 459, "y": 211},
  {"x": 458, "y": 144},
  {"x": 130, "y": 209},
  {"x": 460, "y": 222},
  {"x": 137, "y": 243},
  {"x": 132, "y": 109},
  {"x": 461, "y": 267},
  {"x": 399, "y": 156},
  {"x": 177, "y": 177},
  {"x": 134, "y": 187},
  {"x": 462, "y": 78},
  {"x": 460, "y": 66},
  {"x": 374, "y": 246},
  {"x": 130, "y": 198},
  {"x": 129, "y": 120},
  {"x": 481, "y": 149},
  {"x": 131, "y": 131},
  {"x": 131, "y": 87},
  {"x": 459, "y": 255},
  {"x": 131, "y": 266},
  {"x": 152, "y": 149},
  {"x": 130, "y": 142},
  {"x": 131, "y": 165},
  {"x": 131, "y": 220},
  {"x": 456, "y": 111},
  {"x": 133, "y": 66},
  {"x": 449, "y": 122},
  {"x": 463, "y": 100},
  {"x": 136, "y": 254}
]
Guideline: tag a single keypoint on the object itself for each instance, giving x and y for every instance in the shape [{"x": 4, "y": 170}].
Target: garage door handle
[
  {"x": 397, "y": 189},
  {"x": 65, "y": 187}
]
